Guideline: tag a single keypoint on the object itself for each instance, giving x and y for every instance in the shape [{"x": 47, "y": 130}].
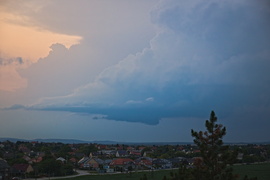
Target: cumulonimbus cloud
[{"x": 205, "y": 55}]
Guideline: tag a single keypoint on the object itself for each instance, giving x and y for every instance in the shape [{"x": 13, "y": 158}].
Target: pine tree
[{"x": 216, "y": 157}]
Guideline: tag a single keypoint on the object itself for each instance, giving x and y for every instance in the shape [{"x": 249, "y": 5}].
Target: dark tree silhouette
[{"x": 217, "y": 158}]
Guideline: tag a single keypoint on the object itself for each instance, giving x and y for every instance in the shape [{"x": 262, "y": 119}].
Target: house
[
  {"x": 109, "y": 170},
  {"x": 32, "y": 154},
  {"x": 95, "y": 163},
  {"x": 240, "y": 156},
  {"x": 121, "y": 153},
  {"x": 144, "y": 163},
  {"x": 147, "y": 153},
  {"x": 24, "y": 149},
  {"x": 71, "y": 153},
  {"x": 41, "y": 154},
  {"x": 135, "y": 153},
  {"x": 37, "y": 159},
  {"x": 162, "y": 163},
  {"x": 8, "y": 155},
  {"x": 4, "y": 170},
  {"x": 121, "y": 164},
  {"x": 141, "y": 148},
  {"x": 130, "y": 148},
  {"x": 93, "y": 154},
  {"x": 99, "y": 161},
  {"x": 120, "y": 147},
  {"x": 107, "y": 152},
  {"x": 73, "y": 160},
  {"x": 34, "y": 143},
  {"x": 106, "y": 166},
  {"x": 101, "y": 146},
  {"x": 61, "y": 159},
  {"x": 21, "y": 169},
  {"x": 177, "y": 161},
  {"x": 27, "y": 158},
  {"x": 107, "y": 162},
  {"x": 83, "y": 163},
  {"x": 196, "y": 151},
  {"x": 83, "y": 160}
]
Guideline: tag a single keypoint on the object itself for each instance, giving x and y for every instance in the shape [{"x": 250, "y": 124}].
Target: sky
[{"x": 134, "y": 71}]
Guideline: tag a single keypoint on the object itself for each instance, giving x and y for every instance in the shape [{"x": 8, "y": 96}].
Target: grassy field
[
  {"x": 261, "y": 171},
  {"x": 157, "y": 175}
]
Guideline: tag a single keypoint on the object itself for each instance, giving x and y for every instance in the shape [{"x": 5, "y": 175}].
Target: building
[
  {"x": 122, "y": 164},
  {"x": 121, "y": 153},
  {"x": 4, "y": 170},
  {"x": 21, "y": 170}
]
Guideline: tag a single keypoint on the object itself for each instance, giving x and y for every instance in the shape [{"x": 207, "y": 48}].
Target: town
[{"x": 38, "y": 159}]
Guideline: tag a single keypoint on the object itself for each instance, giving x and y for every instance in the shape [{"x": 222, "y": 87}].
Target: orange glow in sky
[
  {"x": 28, "y": 42},
  {"x": 21, "y": 39}
]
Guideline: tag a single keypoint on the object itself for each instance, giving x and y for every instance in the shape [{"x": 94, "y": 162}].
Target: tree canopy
[{"x": 216, "y": 158}]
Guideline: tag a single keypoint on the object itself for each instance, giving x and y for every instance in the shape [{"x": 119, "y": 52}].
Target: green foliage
[
  {"x": 87, "y": 149},
  {"x": 261, "y": 171},
  {"x": 63, "y": 151},
  {"x": 144, "y": 177},
  {"x": 165, "y": 156},
  {"x": 145, "y": 150},
  {"x": 50, "y": 167},
  {"x": 67, "y": 169},
  {"x": 183, "y": 173},
  {"x": 18, "y": 159},
  {"x": 251, "y": 158},
  {"x": 46, "y": 150},
  {"x": 246, "y": 178}
]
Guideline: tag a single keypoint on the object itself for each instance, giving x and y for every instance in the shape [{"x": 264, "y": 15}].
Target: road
[{"x": 80, "y": 173}]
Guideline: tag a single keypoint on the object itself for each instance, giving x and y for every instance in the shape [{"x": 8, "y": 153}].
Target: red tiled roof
[
  {"x": 21, "y": 167},
  {"x": 120, "y": 148},
  {"x": 120, "y": 161},
  {"x": 73, "y": 160},
  {"x": 130, "y": 148},
  {"x": 102, "y": 146},
  {"x": 135, "y": 153},
  {"x": 39, "y": 159},
  {"x": 24, "y": 149},
  {"x": 141, "y": 148}
]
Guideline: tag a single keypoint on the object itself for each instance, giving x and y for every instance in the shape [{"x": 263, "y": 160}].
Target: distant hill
[
  {"x": 12, "y": 139},
  {"x": 75, "y": 141},
  {"x": 65, "y": 141}
]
